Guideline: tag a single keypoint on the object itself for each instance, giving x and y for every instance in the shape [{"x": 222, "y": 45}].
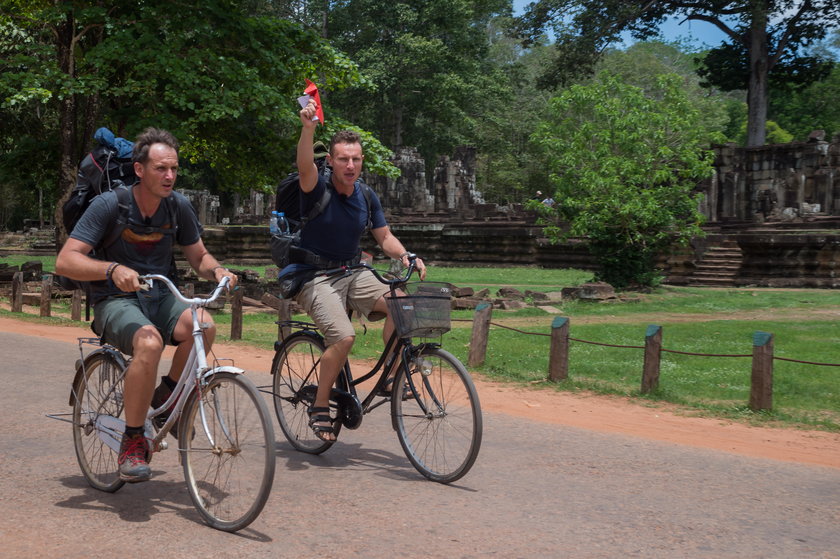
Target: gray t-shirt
[{"x": 145, "y": 245}]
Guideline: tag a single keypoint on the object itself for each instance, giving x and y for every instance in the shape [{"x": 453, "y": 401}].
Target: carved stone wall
[
  {"x": 409, "y": 191},
  {"x": 206, "y": 205},
  {"x": 778, "y": 182},
  {"x": 453, "y": 184}
]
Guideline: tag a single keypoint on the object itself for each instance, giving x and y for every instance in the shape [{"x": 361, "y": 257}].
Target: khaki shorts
[
  {"x": 327, "y": 300},
  {"x": 117, "y": 319}
]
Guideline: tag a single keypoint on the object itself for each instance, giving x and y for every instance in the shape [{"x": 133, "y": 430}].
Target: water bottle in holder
[
  {"x": 282, "y": 223},
  {"x": 273, "y": 227}
]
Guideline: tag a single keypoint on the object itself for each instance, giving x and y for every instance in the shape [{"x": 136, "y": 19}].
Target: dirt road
[{"x": 558, "y": 475}]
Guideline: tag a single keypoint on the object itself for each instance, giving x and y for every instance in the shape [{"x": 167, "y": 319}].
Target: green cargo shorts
[{"x": 117, "y": 319}]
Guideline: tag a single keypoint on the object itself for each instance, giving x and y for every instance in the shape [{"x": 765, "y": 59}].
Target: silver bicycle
[{"x": 225, "y": 433}]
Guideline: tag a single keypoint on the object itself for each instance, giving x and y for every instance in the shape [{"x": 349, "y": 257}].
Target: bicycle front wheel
[
  {"x": 98, "y": 393},
  {"x": 227, "y": 449},
  {"x": 296, "y": 372},
  {"x": 439, "y": 426}
]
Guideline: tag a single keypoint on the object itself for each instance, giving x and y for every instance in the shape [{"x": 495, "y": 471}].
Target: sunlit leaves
[{"x": 624, "y": 164}]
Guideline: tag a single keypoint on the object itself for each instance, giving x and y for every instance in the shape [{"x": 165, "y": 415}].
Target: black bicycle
[{"x": 434, "y": 404}]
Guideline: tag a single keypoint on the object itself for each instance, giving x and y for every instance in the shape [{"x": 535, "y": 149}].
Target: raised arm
[{"x": 305, "y": 154}]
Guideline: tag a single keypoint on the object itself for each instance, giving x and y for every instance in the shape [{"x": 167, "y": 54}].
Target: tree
[
  {"x": 643, "y": 63},
  {"x": 223, "y": 80},
  {"x": 814, "y": 107},
  {"x": 427, "y": 78},
  {"x": 766, "y": 38},
  {"x": 625, "y": 166}
]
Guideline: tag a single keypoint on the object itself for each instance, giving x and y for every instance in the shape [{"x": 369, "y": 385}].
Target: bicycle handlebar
[
  {"x": 198, "y": 301},
  {"x": 347, "y": 270}
]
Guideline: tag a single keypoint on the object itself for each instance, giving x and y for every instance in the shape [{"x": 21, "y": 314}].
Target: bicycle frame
[
  {"x": 394, "y": 347},
  {"x": 196, "y": 371},
  {"x": 193, "y": 376}
]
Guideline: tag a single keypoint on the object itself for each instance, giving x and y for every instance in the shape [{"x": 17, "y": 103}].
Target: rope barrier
[
  {"x": 806, "y": 362},
  {"x": 643, "y": 347}
]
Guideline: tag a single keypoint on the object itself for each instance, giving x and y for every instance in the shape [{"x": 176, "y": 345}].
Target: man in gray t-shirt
[{"x": 141, "y": 324}]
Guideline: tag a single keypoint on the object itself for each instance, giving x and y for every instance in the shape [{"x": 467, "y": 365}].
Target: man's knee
[
  {"x": 344, "y": 345},
  {"x": 147, "y": 342}
]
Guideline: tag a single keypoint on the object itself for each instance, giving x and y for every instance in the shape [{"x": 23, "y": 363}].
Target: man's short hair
[
  {"x": 345, "y": 137},
  {"x": 150, "y": 136}
]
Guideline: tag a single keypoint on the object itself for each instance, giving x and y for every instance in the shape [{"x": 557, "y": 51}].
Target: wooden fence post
[
  {"x": 76, "y": 305},
  {"x": 558, "y": 354},
  {"x": 236, "y": 315},
  {"x": 761, "y": 385},
  {"x": 653, "y": 356},
  {"x": 17, "y": 292},
  {"x": 480, "y": 332},
  {"x": 46, "y": 294}
]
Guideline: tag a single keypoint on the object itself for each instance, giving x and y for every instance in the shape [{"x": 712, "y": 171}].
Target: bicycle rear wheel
[
  {"x": 439, "y": 428},
  {"x": 229, "y": 465},
  {"x": 296, "y": 373},
  {"x": 97, "y": 392}
]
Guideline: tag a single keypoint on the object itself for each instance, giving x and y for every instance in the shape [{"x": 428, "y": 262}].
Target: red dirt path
[{"x": 598, "y": 413}]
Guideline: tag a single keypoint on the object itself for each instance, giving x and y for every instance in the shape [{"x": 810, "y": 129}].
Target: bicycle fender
[
  {"x": 223, "y": 369},
  {"x": 80, "y": 370}
]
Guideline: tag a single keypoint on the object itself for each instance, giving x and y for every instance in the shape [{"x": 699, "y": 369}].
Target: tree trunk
[
  {"x": 757, "y": 95},
  {"x": 66, "y": 124}
]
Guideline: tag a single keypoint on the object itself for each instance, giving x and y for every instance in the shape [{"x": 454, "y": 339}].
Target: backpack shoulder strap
[
  {"x": 124, "y": 196},
  {"x": 317, "y": 208},
  {"x": 172, "y": 209},
  {"x": 368, "y": 192}
]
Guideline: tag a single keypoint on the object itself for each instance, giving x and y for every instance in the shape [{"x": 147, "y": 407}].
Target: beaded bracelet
[{"x": 110, "y": 270}]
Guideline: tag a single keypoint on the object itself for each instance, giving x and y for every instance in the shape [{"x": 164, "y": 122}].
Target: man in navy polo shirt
[{"x": 334, "y": 236}]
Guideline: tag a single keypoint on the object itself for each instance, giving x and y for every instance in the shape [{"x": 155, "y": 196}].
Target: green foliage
[
  {"x": 624, "y": 166},
  {"x": 643, "y": 63},
  {"x": 428, "y": 78},
  {"x": 812, "y": 108},
  {"x": 223, "y": 79},
  {"x": 509, "y": 168},
  {"x": 584, "y": 29},
  {"x": 774, "y": 133}
]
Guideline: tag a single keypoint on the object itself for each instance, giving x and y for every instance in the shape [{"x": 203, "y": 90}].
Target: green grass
[
  {"x": 803, "y": 394},
  {"x": 708, "y": 321},
  {"x": 522, "y": 278}
]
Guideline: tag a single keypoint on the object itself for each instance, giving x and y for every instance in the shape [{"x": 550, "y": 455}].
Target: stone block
[
  {"x": 536, "y": 295},
  {"x": 509, "y": 305},
  {"x": 462, "y": 303},
  {"x": 510, "y": 293},
  {"x": 596, "y": 291},
  {"x": 463, "y": 291}
]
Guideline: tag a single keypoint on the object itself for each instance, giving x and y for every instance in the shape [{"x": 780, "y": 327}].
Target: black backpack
[
  {"x": 106, "y": 167},
  {"x": 288, "y": 202}
]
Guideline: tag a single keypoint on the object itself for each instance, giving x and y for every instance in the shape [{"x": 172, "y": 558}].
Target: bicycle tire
[
  {"x": 295, "y": 376},
  {"x": 441, "y": 439},
  {"x": 229, "y": 477},
  {"x": 98, "y": 390}
]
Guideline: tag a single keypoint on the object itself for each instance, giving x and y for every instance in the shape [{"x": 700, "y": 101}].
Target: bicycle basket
[{"x": 423, "y": 312}]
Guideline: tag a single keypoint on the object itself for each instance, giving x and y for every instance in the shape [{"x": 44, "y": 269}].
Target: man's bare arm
[{"x": 308, "y": 172}]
